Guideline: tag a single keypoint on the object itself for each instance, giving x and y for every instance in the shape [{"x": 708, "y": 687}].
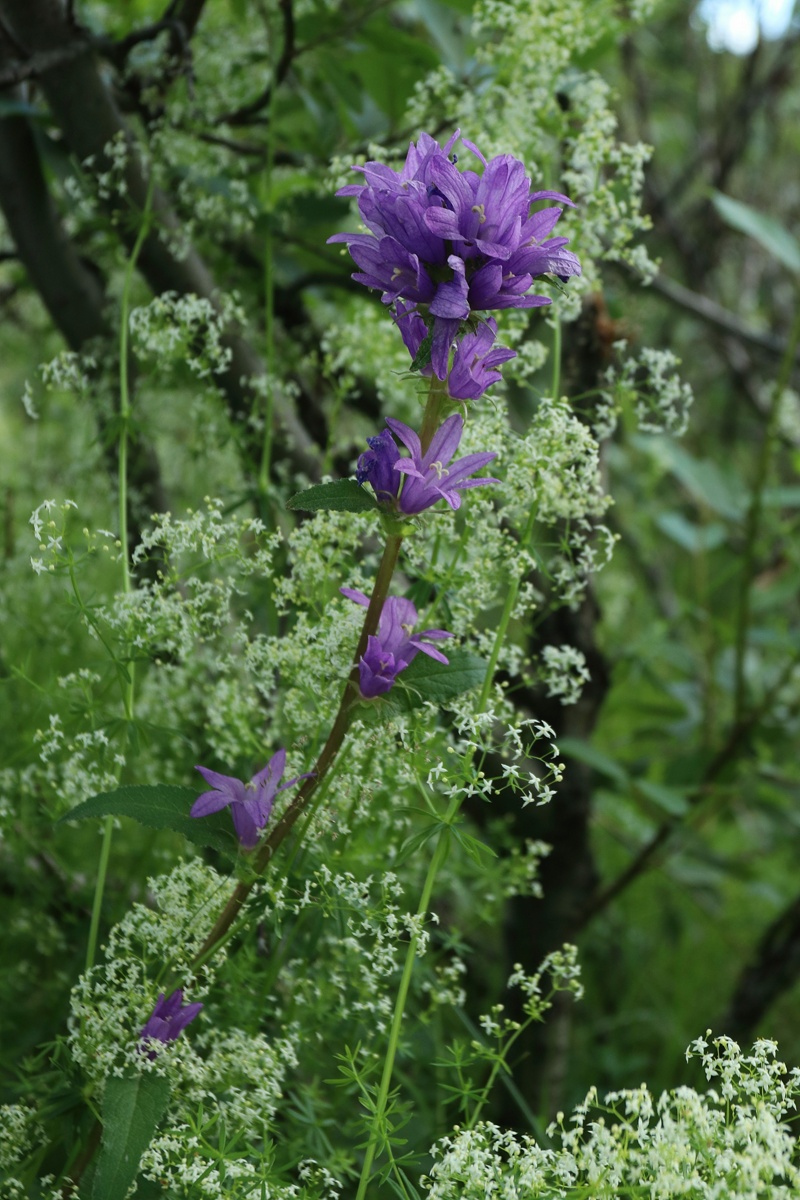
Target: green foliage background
[{"x": 689, "y": 728}]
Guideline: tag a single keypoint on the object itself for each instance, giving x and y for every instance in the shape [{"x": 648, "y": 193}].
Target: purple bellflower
[
  {"x": 250, "y": 803},
  {"x": 376, "y": 467},
  {"x": 169, "y": 1018},
  {"x": 454, "y": 242},
  {"x": 428, "y": 476},
  {"x": 395, "y": 645}
]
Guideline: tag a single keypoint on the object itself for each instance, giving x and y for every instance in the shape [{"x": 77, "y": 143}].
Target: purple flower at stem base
[
  {"x": 168, "y": 1019},
  {"x": 250, "y": 803},
  {"x": 394, "y": 646}
]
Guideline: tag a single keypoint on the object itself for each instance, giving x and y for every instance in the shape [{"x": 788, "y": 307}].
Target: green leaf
[
  {"x": 702, "y": 477},
  {"x": 586, "y": 753},
  {"x": 478, "y": 851},
  {"x": 670, "y": 800},
  {"x": 426, "y": 679},
  {"x": 782, "y": 497},
  {"x": 690, "y": 536},
  {"x": 342, "y": 495},
  {"x": 765, "y": 230},
  {"x": 414, "y": 842},
  {"x": 132, "y": 1108},
  {"x": 423, "y": 356},
  {"x": 160, "y": 806}
]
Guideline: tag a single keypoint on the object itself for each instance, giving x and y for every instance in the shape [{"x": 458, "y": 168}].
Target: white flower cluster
[
  {"x": 217, "y": 1139},
  {"x": 555, "y": 467},
  {"x": 186, "y": 329},
  {"x": 113, "y": 1000},
  {"x": 729, "y": 1143},
  {"x": 660, "y": 399},
  {"x": 445, "y": 986},
  {"x": 76, "y": 765},
  {"x": 68, "y": 372},
  {"x": 49, "y": 533},
  {"x": 19, "y": 1134},
  {"x": 788, "y": 411},
  {"x": 361, "y": 948},
  {"x": 560, "y": 968},
  {"x": 564, "y": 672}
]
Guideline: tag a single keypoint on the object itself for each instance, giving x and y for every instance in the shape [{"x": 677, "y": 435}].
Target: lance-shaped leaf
[
  {"x": 159, "y": 806},
  {"x": 132, "y": 1109},
  {"x": 765, "y": 230},
  {"x": 341, "y": 495}
]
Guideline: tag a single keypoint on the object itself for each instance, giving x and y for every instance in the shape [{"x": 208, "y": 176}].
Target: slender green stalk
[
  {"x": 124, "y": 422},
  {"x": 269, "y": 292},
  {"x": 439, "y": 855},
  {"x": 437, "y": 400},
  {"x": 555, "y": 386},
  {"x": 753, "y": 522},
  {"x": 97, "y": 904}
]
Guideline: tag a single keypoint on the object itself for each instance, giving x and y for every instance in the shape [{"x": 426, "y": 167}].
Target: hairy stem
[
  {"x": 434, "y": 410},
  {"x": 328, "y": 753},
  {"x": 437, "y": 396}
]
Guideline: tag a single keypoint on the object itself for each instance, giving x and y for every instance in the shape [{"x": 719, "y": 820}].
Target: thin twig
[
  {"x": 731, "y": 749},
  {"x": 721, "y": 318},
  {"x": 43, "y": 60}
]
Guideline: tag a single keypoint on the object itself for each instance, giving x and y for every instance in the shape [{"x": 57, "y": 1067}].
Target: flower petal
[{"x": 210, "y": 802}]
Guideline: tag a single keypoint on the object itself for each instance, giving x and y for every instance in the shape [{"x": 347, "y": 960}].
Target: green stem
[
  {"x": 438, "y": 398},
  {"x": 327, "y": 755},
  {"x": 269, "y": 295},
  {"x": 555, "y": 385},
  {"x": 439, "y": 856},
  {"x": 124, "y": 421},
  {"x": 754, "y": 513},
  {"x": 430, "y": 879}
]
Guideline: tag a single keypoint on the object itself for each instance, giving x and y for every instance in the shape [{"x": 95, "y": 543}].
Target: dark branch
[
  {"x": 719, "y": 317},
  {"x": 84, "y": 108},
  {"x": 243, "y": 115},
  {"x": 44, "y": 60},
  {"x": 774, "y": 969}
]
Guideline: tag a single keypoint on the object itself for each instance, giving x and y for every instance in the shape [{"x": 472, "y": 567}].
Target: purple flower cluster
[
  {"x": 395, "y": 645},
  {"x": 445, "y": 245}
]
